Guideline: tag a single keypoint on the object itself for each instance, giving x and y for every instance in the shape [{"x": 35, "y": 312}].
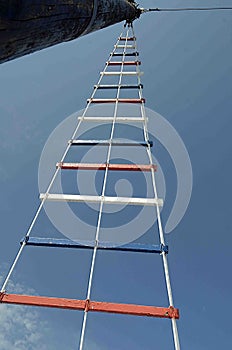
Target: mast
[{"x": 27, "y": 26}]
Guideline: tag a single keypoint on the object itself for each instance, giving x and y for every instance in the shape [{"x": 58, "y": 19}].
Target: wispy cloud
[
  {"x": 20, "y": 329},
  {"x": 23, "y": 329}
]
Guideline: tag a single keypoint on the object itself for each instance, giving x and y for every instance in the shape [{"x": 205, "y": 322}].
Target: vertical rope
[
  {"x": 89, "y": 289},
  {"x": 160, "y": 227}
]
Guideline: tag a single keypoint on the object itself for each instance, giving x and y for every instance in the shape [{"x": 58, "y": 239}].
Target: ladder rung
[
  {"x": 122, "y": 73},
  {"x": 89, "y": 305},
  {"x": 118, "y": 46},
  {"x": 139, "y": 86},
  {"x": 119, "y": 54},
  {"x": 119, "y": 63},
  {"x": 127, "y": 39},
  {"x": 107, "y": 142},
  {"x": 98, "y": 199},
  {"x": 110, "y": 119},
  {"x": 116, "y": 167},
  {"x": 114, "y": 100},
  {"x": 67, "y": 243}
]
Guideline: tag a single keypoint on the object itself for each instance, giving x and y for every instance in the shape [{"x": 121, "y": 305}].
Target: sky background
[{"x": 187, "y": 60}]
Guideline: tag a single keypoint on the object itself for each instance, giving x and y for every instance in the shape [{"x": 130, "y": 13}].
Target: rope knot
[
  {"x": 87, "y": 305},
  {"x": 1, "y": 295}
]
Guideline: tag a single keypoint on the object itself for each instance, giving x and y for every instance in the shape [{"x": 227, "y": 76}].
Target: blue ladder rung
[
  {"x": 125, "y": 54},
  {"x": 67, "y": 243},
  {"x": 106, "y": 143}
]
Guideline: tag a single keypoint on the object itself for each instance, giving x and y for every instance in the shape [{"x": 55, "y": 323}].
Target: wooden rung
[
  {"x": 127, "y": 63},
  {"x": 113, "y": 143},
  {"x": 110, "y": 119},
  {"x": 114, "y": 100},
  {"x": 92, "y": 306},
  {"x": 122, "y": 73},
  {"x": 132, "y": 38},
  {"x": 60, "y": 197},
  {"x": 104, "y": 246},
  {"x": 119, "y": 54},
  {"x": 125, "y": 46},
  {"x": 114, "y": 86},
  {"x": 116, "y": 167}
]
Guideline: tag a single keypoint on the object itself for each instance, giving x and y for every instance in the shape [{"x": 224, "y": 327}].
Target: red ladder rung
[
  {"x": 87, "y": 305},
  {"x": 113, "y": 100},
  {"x": 95, "y": 166},
  {"x": 128, "y": 63}
]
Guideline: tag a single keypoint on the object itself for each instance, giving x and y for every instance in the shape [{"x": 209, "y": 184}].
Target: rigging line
[
  {"x": 83, "y": 329},
  {"x": 161, "y": 234},
  {"x": 12, "y": 267},
  {"x": 186, "y": 9}
]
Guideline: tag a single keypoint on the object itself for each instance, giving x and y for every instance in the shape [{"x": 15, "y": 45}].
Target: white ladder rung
[
  {"x": 98, "y": 199},
  {"x": 122, "y": 73},
  {"x": 124, "y": 46},
  {"x": 110, "y": 119}
]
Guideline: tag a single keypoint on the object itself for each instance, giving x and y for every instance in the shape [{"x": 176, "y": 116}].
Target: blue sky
[{"x": 187, "y": 60}]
